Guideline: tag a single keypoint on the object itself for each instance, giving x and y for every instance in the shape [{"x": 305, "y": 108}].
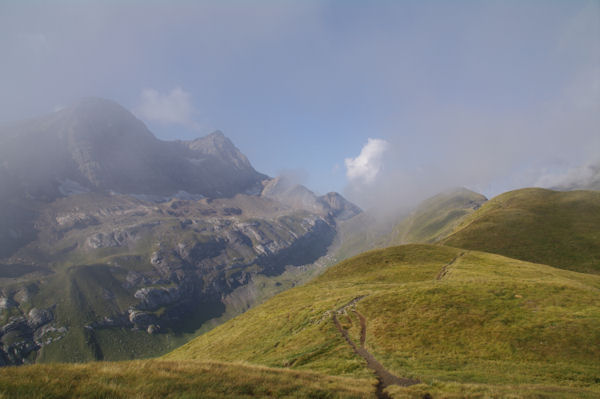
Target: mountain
[
  {"x": 433, "y": 320},
  {"x": 116, "y": 245},
  {"x": 551, "y": 227},
  {"x": 97, "y": 145},
  {"x": 299, "y": 197},
  {"x": 432, "y": 220},
  {"x": 436, "y": 217}
]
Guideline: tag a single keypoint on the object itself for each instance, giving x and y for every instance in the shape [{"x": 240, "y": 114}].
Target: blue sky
[{"x": 492, "y": 95}]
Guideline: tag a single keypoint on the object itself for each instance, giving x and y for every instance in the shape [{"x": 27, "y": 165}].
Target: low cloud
[
  {"x": 583, "y": 177},
  {"x": 366, "y": 166},
  {"x": 173, "y": 108}
]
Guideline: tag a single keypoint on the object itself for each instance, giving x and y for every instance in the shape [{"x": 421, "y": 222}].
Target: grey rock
[
  {"x": 6, "y": 303},
  {"x": 295, "y": 196},
  {"x": 152, "y": 298},
  {"x": 339, "y": 207},
  {"x": 15, "y": 323},
  {"x": 113, "y": 239},
  {"x": 48, "y": 334},
  {"x": 38, "y": 317},
  {"x": 152, "y": 328},
  {"x": 72, "y": 220},
  {"x": 141, "y": 319}
]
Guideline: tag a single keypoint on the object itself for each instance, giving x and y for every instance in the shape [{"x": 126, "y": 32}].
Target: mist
[
  {"x": 491, "y": 96},
  {"x": 534, "y": 123}
]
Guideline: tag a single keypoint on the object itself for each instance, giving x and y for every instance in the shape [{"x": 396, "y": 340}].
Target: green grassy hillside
[
  {"x": 557, "y": 228},
  {"x": 172, "y": 379},
  {"x": 436, "y": 217},
  {"x": 458, "y": 321}
]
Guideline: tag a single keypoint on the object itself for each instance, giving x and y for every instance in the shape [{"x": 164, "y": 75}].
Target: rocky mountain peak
[
  {"x": 101, "y": 146},
  {"x": 218, "y": 145},
  {"x": 340, "y": 207},
  {"x": 299, "y": 197},
  {"x": 101, "y": 118}
]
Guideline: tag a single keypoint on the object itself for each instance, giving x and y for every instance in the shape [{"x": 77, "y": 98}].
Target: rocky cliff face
[
  {"x": 117, "y": 245},
  {"x": 123, "y": 264}
]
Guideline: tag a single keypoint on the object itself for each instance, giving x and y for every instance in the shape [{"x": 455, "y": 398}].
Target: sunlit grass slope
[
  {"x": 557, "y": 228},
  {"x": 488, "y": 324},
  {"x": 172, "y": 379}
]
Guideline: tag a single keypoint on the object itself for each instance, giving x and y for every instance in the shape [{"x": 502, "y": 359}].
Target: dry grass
[{"x": 172, "y": 379}]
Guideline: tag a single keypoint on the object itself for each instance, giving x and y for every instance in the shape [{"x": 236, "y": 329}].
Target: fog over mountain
[
  {"x": 150, "y": 241},
  {"x": 97, "y": 145},
  {"x": 585, "y": 177},
  {"x": 491, "y": 96}
]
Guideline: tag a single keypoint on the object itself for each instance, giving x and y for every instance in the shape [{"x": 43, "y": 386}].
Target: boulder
[
  {"x": 140, "y": 318},
  {"x": 38, "y": 317}
]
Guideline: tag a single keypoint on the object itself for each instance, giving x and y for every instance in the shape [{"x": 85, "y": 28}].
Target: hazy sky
[{"x": 381, "y": 100}]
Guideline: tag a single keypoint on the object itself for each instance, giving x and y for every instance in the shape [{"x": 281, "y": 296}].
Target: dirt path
[
  {"x": 444, "y": 270},
  {"x": 384, "y": 377}
]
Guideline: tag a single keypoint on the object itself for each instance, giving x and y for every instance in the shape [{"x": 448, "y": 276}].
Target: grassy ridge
[
  {"x": 171, "y": 379},
  {"x": 294, "y": 329},
  {"x": 560, "y": 229},
  {"x": 436, "y": 217},
  {"x": 490, "y": 320}
]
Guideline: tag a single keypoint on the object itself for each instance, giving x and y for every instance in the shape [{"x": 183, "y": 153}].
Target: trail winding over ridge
[
  {"x": 384, "y": 377},
  {"x": 444, "y": 270}
]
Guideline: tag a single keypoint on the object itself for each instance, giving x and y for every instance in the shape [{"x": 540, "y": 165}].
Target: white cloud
[
  {"x": 368, "y": 163},
  {"x": 172, "y": 108},
  {"x": 584, "y": 176}
]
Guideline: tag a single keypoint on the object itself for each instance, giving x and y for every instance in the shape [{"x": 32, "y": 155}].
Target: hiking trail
[
  {"x": 444, "y": 270},
  {"x": 384, "y": 377}
]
